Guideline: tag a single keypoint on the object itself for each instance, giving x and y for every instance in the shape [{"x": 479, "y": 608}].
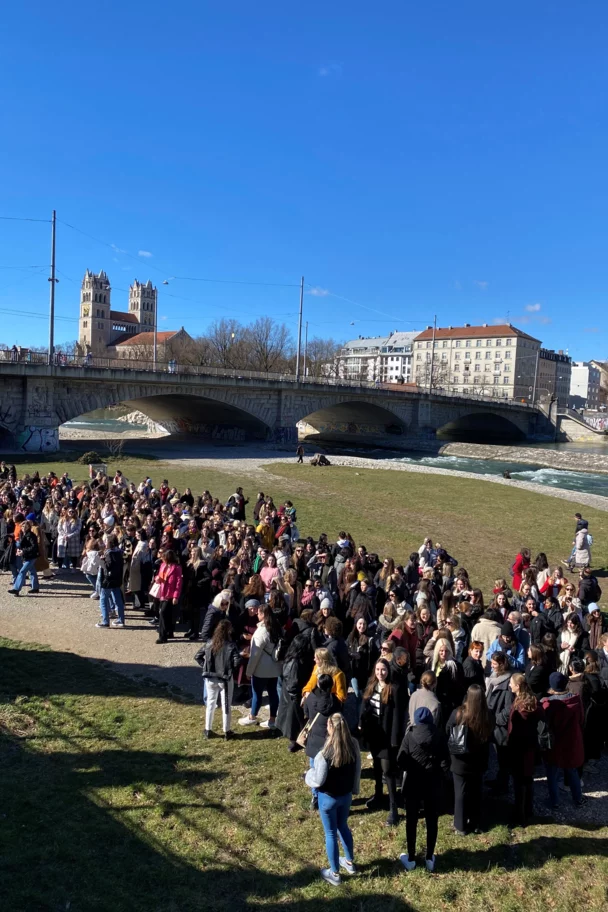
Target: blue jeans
[
  {"x": 28, "y": 566},
  {"x": 93, "y": 581},
  {"x": 111, "y": 598},
  {"x": 573, "y": 779},
  {"x": 258, "y": 686},
  {"x": 334, "y": 817}
]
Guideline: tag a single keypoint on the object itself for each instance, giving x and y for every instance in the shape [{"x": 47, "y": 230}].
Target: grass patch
[{"x": 110, "y": 800}]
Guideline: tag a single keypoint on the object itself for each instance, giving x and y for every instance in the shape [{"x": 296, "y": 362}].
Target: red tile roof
[
  {"x": 474, "y": 332},
  {"x": 147, "y": 338},
  {"x": 121, "y": 317}
]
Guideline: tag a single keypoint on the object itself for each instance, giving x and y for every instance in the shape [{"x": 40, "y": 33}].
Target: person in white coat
[{"x": 262, "y": 667}]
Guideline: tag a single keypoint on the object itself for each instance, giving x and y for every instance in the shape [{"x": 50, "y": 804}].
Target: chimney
[
  {"x": 484, "y": 325},
  {"x": 467, "y": 325}
]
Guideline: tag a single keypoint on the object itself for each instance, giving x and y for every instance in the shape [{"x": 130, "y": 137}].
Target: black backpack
[{"x": 546, "y": 738}]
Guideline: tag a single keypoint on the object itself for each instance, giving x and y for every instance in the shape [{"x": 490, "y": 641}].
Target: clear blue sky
[{"x": 415, "y": 158}]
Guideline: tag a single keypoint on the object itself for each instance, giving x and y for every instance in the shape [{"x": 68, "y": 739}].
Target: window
[
  {"x": 477, "y": 367},
  {"x": 478, "y": 343},
  {"x": 496, "y": 379},
  {"x": 444, "y": 356},
  {"x": 85, "y": 324},
  {"x": 488, "y": 343},
  {"x": 468, "y": 343},
  {"x": 455, "y": 380},
  {"x": 418, "y": 357},
  {"x": 507, "y": 368},
  {"x": 467, "y": 355},
  {"x": 457, "y": 356},
  {"x": 488, "y": 355},
  {"x": 476, "y": 379},
  {"x": 488, "y": 367},
  {"x": 508, "y": 342},
  {"x": 497, "y": 355},
  {"x": 428, "y": 344},
  {"x": 498, "y": 343},
  {"x": 444, "y": 344},
  {"x": 507, "y": 354},
  {"x": 477, "y": 356},
  {"x": 505, "y": 380},
  {"x": 458, "y": 343}
]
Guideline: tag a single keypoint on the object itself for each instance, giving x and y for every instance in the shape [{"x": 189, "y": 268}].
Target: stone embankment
[{"x": 572, "y": 461}]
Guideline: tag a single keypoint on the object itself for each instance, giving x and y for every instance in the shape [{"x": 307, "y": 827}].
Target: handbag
[
  {"x": 303, "y": 736},
  {"x": 458, "y": 742},
  {"x": 155, "y": 590}
]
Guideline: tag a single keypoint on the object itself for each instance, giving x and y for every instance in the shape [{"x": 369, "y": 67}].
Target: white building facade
[
  {"x": 585, "y": 385},
  {"x": 387, "y": 359},
  {"x": 494, "y": 361}
]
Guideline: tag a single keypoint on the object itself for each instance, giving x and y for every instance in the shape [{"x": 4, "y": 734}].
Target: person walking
[
  {"x": 28, "y": 551},
  {"x": 424, "y": 757},
  {"x": 335, "y": 775},
  {"x": 263, "y": 669},
  {"x": 169, "y": 579},
  {"x": 219, "y": 659},
  {"x": 470, "y": 729},
  {"x": 300, "y": 454}
]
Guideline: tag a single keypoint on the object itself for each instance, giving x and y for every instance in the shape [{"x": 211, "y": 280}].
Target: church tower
[
  {"x": 95, "y": 323},
  {"x": 142, "y": 303}
]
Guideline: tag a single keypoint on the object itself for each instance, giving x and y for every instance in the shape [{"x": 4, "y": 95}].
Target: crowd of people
[{"x": 412, "y": 662}]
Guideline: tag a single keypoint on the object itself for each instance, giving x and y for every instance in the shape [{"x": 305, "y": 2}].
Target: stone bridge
[{"x": 36, "y": 399}]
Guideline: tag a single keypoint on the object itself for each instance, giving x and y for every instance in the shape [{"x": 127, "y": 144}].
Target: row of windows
[
  {"x": 467, "y": 356},
  {"x": 479, "y": 343},
  {"x": 98, "y": 299},
  {"x": 506, "y": 380}
]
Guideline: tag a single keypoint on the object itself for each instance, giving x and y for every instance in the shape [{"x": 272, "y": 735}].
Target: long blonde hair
[
  {"x": 338, "y": 748},
  {"x": 325, "y": 662}
]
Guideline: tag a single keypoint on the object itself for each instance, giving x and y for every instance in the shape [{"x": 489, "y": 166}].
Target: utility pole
[
  {"x": 535, "y": 376},
  {"x": 305, "y": 347},
  {"x": 432, "y": 354},
  {"x": 53, "y": 281},
  {"x": 154, "y": 344},
  {"x": 300, "y": 330}
]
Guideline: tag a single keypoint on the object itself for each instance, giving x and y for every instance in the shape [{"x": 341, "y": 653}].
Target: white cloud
[
  {"x": 117, "y": 249},
  {"x": 144, "y": 253},
  {"x": 330, "y": 69},
  {"x": 480, "y": 284},
  {"x": 163, "y": 318},
  {"x": 318, "y": 292},
  {"x": 499, "y": 321},
  {"x": 533, "y": 308}
]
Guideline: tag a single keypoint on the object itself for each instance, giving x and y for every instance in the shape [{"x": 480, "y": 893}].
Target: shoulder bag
[
  {"x": 303, "y": 736},
  {"x": 458, "y": 742}
]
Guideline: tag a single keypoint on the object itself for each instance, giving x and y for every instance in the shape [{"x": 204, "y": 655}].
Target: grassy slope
[{"x": 111, "y": 801}]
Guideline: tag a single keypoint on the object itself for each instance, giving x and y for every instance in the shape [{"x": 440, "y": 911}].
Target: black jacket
[
  {"x": 423, "y": 754},
  {"x": 554, "y": 620},
  {"x": 384, "y": 733},
  {"x": 339, "y": 652},
  {"x": 326, "y": 705},
  {"x": 111, "y": 569},
  {"x": 589, "y": 590},
  {"x": 473, "y": 672},
  {"x": 537, "y": 679},
  {"x": 475, "y": 761},
  {"x": 29, "y": 546},
  {"x": 222, "y": 665},
  {"x": 500, "y": 701},
  {"x": 538, "y": 628}
]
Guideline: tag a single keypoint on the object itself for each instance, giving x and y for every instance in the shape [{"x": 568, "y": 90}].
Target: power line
[
  {"x": 15, "y": 218},
  {"x": 43, "y": 266},
  {"x": 31, "y": 313}
]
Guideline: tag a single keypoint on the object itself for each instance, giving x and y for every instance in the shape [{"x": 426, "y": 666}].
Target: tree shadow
[{"x": 531, "y": 853}]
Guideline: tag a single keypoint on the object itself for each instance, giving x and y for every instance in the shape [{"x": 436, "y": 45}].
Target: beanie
[
  {"x": 423, "y": 716},
  {"x": 558, "y": 681},
  {"x": 325, "y": 603},
  {"x": 32, "y": 518},
  {"x": 252, "y": 603},
  {"x": 507, "y": 629}
]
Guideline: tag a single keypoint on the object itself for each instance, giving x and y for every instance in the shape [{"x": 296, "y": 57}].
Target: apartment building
[
  {"x": 553, "y": 377},
  {"x": 495, "y": 361},
  {"x": 384, "y": 358},
  {"x": 585, "y": 385},
  {"x": 396, "y": 357}
]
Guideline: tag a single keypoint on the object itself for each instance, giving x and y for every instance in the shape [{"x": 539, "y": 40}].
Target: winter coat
[
  {"x": 538, "y": 628},
  {"x": 111, "y": 569},
  {"x": 339, "y": 653},
  {"x": 424, "y": 632},
  {"x": 261, "y": 662},
  {"x": 500, "y": 699},
  {"x": 385, "y": 733},
  {"x": 326, "y": 705},
  {"x": 450, "y": 686},
  {"x": 515, "y": 654},
  {"x": 169, "y": 577},
  {"x": 475, "y": 760},
  {"x": 519, "y": 566},
  {"x": 297, "y": 669},
  {"x": 564, "y": 715},
  {"x": 28, "y": 545},
  {"x": 423, "y": 756},
  {"x": 522, "y": 740},
  {"x": 340, "y": 688},
  {"x": 220, "y": 666},
  {"x": 595, "y": 629},
  {"x": 360, "y": 655},
  {"x": 485, "y": 631},
  {"x": 427, "y": 699},
  {"x": 408, "y": 641},
  {"x": 589, "y": 590},
  {"x": 141, "y": 555},
  {"x": 537, "y": 679},
  {"x": 473, "y": 672},
  {"x": 460, "y": 643},
  {"x": 386, "y": 627},
  {"x": 582, "y": 549},
  {"x": 91, "y": 562},
  {"x": 68, "y": 538}
]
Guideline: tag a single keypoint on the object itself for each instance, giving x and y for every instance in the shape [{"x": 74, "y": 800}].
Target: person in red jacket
[
  {"x": 406, "y": 636},
  {"x": 564, "y": 715},
  {"x": 520, "y": 565}
]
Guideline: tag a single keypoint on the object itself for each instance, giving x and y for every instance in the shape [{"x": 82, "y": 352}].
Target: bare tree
[
  {"x": 438, "y": 378},
  {"x": 226, "y": 340},
  {"x": 321, "y": 357},
  {"x": 269, "y": 345}
]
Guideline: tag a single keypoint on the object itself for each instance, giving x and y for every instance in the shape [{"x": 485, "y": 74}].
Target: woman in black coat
[
  {"x": 472, "y": 666},
  {"x": 360, "y": 650},
  {"x": 383, "y": 725},
  {"x": 468, "y": 767},
  {"x": 596, "y": 713},
  {"x": 320, "y": 704},
  {"x": 537, "y": 673},
  {"x": 297, "y": 669},
  {"x": 500, "y": 699},
  {"x": 196, "y": 591}
]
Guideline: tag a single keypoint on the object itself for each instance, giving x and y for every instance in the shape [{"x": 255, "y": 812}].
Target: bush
[{"x": 89, "y": 457}]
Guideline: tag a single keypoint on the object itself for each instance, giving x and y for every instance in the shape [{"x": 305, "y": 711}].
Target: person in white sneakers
[
  {"x": 263, "y": 668},
  {"x": 335, "y": 775},
  {"x": 423, "y": 755}
]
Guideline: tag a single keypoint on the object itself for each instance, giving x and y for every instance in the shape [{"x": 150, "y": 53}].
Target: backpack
[{"x": 546, "y": 738}]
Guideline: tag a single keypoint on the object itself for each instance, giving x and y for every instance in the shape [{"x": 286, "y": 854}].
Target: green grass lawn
[{"x": 111, "y": 800}]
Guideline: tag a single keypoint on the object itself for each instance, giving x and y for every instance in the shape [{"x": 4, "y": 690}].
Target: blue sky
[{"x": 415, "y": 159}]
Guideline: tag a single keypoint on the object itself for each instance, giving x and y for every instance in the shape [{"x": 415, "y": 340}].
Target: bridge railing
[{"x": 173, "y": 367}]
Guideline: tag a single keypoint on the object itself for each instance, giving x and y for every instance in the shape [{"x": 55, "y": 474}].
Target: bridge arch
[
  {"x": 352, "y": 421},
  {"x": 481, "y": 427}
]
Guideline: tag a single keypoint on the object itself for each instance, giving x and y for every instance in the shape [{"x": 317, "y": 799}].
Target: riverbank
[{"x": 572, "y": 461}]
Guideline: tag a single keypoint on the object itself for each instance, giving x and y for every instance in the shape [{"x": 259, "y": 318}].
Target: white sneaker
[
  {"x": 247, "y": 720},
  {"x": 102, "y": 625},
  {"x": 331, "y": 878},
  {"x": 430, "y": 864},
  {"x": 267, "y": 724},
  {"x": 404, "y": 858},
  {"x": 94, "y": 596},
  {"x": 117, "y": 624},
  {"x": 348, "y": 866}
]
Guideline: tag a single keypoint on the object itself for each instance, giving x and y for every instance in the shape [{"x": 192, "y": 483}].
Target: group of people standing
[{"x": 411, "y": 661}]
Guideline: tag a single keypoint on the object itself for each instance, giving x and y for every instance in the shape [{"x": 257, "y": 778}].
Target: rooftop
[
  {"x": 122, "y": 317},
  {"x": 147, "y": 338},
  {"x": 474, "y": 332}
]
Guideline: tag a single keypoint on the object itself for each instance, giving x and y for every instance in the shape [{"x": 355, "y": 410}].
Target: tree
[
  {"x": 440, "y": 375},
  {"x": 321, "y": 357},
  {"x": 227, "y": 343},
  {"x": 269, "y": 345}
]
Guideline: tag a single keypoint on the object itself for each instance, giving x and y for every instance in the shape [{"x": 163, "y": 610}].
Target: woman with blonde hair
[
  {"x": 324, "y": 664},
  {"x": 335, "y": 775}
]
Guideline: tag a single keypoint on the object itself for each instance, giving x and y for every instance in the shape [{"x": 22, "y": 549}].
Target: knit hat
[
  {"x": 507, "y": 630},
  {"x": 558, "y": 682},
  {"x": 325, "y": 603},
  {"x": 32, "y": 518},
  {"x": 592, "y": 605},
  {"x": 252, "y": 603},
  {"x": 423, "y": 716}
]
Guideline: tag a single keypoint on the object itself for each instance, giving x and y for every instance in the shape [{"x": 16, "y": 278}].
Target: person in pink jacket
[{"x": 169, "y": 578}]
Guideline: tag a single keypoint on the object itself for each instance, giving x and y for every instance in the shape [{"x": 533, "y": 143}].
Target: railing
[
  {"x": 175, "y": 368},
  {"x": 598, "y": 423}
]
